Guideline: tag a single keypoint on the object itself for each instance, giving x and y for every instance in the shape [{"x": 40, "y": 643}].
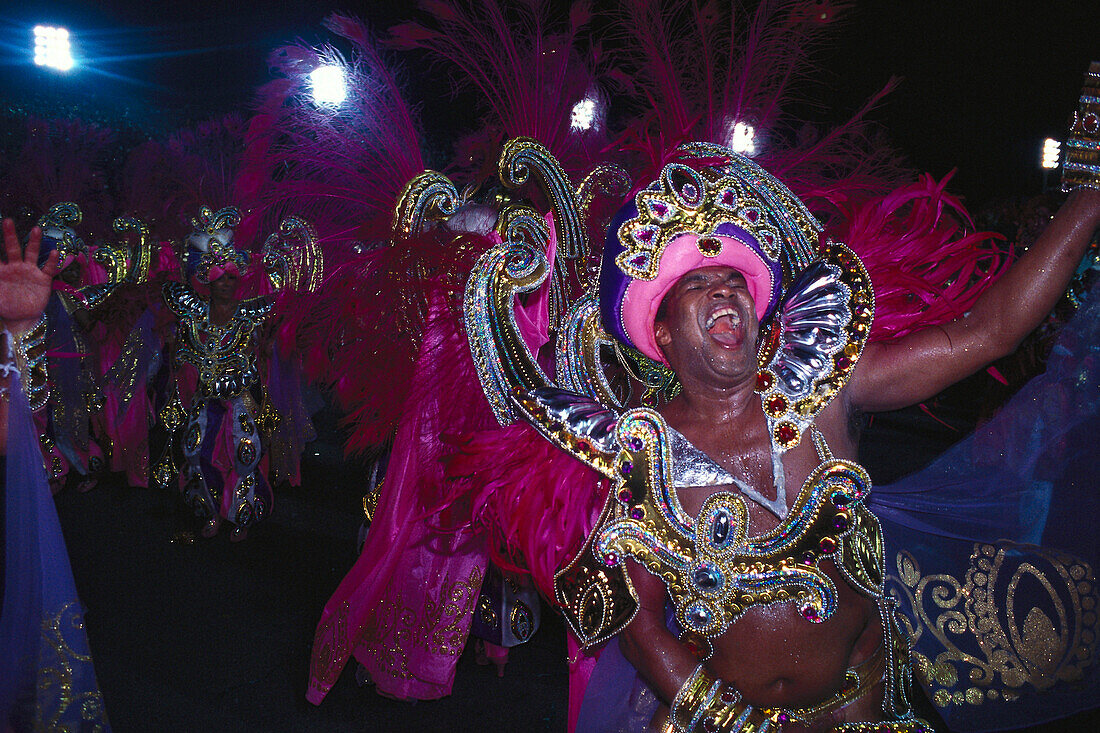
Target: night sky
[{"x": 983, "y": 82}]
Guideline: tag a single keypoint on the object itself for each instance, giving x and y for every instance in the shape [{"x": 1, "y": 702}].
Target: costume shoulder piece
[
  {"x": 125, "y": 259},
  {"x": 814, "y": 335},
  {"x": 182, "y": 300},
  {"x": 255, "y": 310}
]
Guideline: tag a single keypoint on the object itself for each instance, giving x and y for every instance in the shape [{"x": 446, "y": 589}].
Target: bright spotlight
[
  {"x": 329, "y": 88},
  {"x": 583, "y": 115},
  {"x": 52, "y": 48},
  {"x": 743, "y": 139},
  {"x": 1052, "y": 150}
]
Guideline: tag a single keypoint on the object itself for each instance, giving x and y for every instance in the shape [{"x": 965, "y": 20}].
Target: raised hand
[{"x": 24, "y": 287}]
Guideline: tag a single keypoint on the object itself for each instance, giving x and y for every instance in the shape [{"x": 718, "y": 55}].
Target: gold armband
[
  {"x": 1082, "y": 163},
  {"x": 30, "y": 358},
  {"x": 706, "y": 704}
]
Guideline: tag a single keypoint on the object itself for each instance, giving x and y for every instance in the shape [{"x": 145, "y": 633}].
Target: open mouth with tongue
[{"x": 724, "y": 326}]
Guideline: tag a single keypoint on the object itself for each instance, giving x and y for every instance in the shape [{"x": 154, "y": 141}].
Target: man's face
[
  {"x": 709, "y": 327},
  {"x": 225, "y": 287}
]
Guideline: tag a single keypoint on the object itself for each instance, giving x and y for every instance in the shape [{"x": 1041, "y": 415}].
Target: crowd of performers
[
  {"x": 196, "y": 361},
  {"x": 591, "y": 374}
]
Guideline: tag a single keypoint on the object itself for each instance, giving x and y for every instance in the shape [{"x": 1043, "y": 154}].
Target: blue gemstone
[
  {"x": 707, "y": 577},
  {"x": 698, "y": 616}
]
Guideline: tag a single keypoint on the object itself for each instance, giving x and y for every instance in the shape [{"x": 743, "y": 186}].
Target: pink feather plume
[
  {"x": 526, "y": 70},
  {"x": 926, "y": 262}
]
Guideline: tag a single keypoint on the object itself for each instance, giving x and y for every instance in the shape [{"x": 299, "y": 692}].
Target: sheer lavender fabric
[
  {"x": 47, "y": 681},
  {"x": 288, "y": 395},
  {"x": 992, "y": 550}
]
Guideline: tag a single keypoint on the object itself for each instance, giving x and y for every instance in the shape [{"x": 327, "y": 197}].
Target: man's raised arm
[{"x": 918, "y": 366}]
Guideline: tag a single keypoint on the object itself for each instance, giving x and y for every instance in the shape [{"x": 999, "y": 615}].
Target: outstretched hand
[{"x": 24, "y": 287}]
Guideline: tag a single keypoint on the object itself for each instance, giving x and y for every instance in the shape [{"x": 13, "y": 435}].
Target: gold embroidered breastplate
[
  {"x": 713, "y": 569},
  {"x": 224, "y": 355}
]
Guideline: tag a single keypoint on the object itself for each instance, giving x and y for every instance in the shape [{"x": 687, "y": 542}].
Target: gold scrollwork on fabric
[
  {"x": 61, "y": 703},
  {"x": 438, "y": 627},
  {"x": 1023, "y": 619},
  {"x": 330, "y": 648}
]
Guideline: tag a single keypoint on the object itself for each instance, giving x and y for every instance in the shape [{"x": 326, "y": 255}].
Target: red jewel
[
  {"x": 764, "y": 381},
  {"x": 786, "y": 433},
  {"x": 584, "y": 446},
  {"x": 844, "y": 362},
  {"x": 709, "y": 725},
  {"x": 827, "y": 545},
  {"x": 626, "y": 496},
  {"x": 777, "y": 404}
]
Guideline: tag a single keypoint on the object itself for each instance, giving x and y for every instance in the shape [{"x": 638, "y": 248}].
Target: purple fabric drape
[{"x": 47, "y": 681}]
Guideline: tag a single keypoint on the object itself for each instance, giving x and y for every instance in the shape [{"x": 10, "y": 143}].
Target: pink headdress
[{"x": 728, "y": 211}]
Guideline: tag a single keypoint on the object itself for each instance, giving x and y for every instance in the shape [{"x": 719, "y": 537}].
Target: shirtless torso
[{"x": 771, "y": 653}]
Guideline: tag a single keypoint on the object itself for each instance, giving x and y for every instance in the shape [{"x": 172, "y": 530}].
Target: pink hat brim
[{"x": 643, "y": 297}]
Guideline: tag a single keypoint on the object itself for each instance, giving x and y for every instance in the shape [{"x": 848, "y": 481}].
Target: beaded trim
[
  {"x": 813, "y": 343},
  {"x": 29, "y": 352},
  {"x": 1082, "y": 163},
  {"x": 225, "y": 359}
]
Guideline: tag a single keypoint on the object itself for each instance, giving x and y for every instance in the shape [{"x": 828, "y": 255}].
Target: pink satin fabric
[{"x": 405, "y": 608}]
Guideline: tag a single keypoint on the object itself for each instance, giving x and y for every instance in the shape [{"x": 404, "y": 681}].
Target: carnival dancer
[
  {"x": 395, "y": 352},
  {"x": 215, "y": 356},
  {"x": 537, "y": 505},
  {"x": 743, "y": 605},
  {"x": 73, "y": 353},
  {"x": 536, "y": 80},
  {"x": 780, "y": 610},
  {"x": 47, "y": 680}
]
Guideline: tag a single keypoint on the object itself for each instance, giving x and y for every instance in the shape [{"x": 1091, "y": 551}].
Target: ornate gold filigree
[
  {"x": 331, "y": 646},
  {"x": 523, "y": 155},
  {"x": 579, "y": 368},
  {"x": 140, "y": 255},
  {"x": 292, "y": 257},
  {"x": 503, "y": 361},
  {"x": 60, "y": 220},
  {"x": 1000, "y": 641},
  {"x": 430, "y": 196},
  {"x": 438, "y": 627}
]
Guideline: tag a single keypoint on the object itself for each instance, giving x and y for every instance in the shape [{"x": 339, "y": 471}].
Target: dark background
[
  {"x": 983, "y": 82},
  {"x": 205, "y": 635}
]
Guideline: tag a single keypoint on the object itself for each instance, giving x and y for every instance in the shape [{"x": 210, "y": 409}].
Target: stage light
[
  {"x": 52, "y": 48},
  {"x": 583, "y": 115},
  {"x": 1052, "y": 151},
  {"x": 743, "y": 139},
  {"x": 329, "y": 87}
]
